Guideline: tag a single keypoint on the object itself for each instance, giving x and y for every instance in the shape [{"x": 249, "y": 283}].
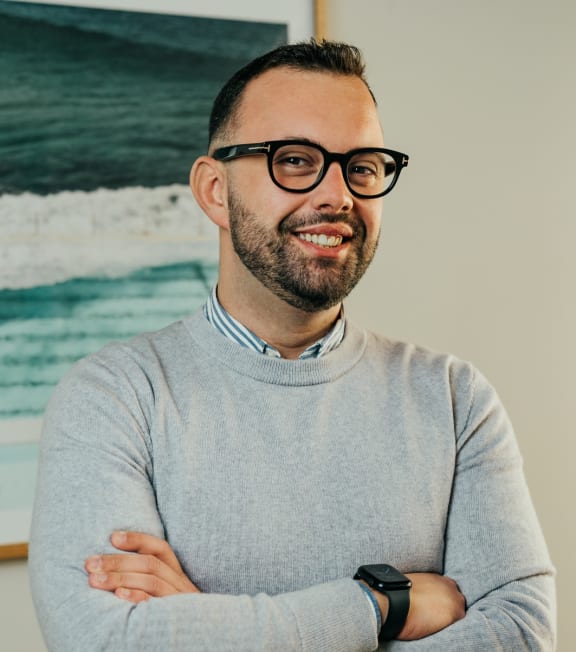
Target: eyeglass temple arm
[{"x": 225, "y": 153}]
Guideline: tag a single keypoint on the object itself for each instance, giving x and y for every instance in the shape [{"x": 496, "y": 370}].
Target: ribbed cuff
[
  {"x": 374, "y": 603},
  {"x": 332, "y": 616}
]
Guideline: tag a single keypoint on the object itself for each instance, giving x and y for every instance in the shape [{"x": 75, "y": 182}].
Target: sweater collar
[
  {"x": 234, "y": 330},
  {"x": 218, "y": 349}
]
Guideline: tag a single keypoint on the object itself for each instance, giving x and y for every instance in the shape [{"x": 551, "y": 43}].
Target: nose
[{"x": 332, "y": 193}]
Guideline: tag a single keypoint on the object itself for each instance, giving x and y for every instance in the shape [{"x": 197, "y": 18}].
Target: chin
[{"x": 311, "y": 302}]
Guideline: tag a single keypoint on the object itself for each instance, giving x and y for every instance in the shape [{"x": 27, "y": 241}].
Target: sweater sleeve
[
  {"x": 494, "y": 546},
  {"x": 96, "y": 476}
]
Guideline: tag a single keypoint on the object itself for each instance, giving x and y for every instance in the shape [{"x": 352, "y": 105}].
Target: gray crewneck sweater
[{"x": 273, "y": 480}]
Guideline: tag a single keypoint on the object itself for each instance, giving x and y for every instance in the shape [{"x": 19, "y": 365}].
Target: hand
[
  {"x": 154, "y": 571},
  {"x": 435, "y": 603}
]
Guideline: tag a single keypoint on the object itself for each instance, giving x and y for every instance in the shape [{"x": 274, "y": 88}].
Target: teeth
[{"x": 321, "y": 239}]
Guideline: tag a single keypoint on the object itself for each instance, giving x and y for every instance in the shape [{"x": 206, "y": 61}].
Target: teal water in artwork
[{"x": 45, "y": 329}]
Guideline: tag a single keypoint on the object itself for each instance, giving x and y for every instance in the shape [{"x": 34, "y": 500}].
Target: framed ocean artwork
[{"x": 103, "y": 109}]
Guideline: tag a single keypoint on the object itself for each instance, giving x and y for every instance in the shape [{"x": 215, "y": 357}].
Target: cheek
[
  {"x": 261, "y": 196},
  {"x": 373, "y": 220},
  {"x": 367, "y": 218}
]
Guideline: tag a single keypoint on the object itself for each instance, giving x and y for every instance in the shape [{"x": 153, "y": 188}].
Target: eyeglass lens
[{"x": 298, "y": 167}]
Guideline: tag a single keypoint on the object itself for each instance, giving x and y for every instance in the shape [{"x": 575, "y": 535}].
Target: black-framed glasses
[{"x": 299, "y": 165}]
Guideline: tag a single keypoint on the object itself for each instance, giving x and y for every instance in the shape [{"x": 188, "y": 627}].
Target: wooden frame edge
[
  {"x": 320, "y": 19},
  {"x": 14, "y": 551}
]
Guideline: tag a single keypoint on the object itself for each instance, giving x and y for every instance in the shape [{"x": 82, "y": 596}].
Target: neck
[{"x": 288, "y": 329}]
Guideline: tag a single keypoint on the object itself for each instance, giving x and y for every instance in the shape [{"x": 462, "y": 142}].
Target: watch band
[
  {"x": 398, "y": 606},
  {"x": 396, "y": 587}
]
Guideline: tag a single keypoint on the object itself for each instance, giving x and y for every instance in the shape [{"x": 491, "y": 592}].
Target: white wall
[{"x": 475, "y": 255}]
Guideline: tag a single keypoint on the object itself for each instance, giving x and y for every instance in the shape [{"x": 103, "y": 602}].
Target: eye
[
  {"x": 366, "y": 168},
  {"x": 294, "y": 160},
  {"x": 297, "y": 160},
  {"x": 362, "y": 170}
]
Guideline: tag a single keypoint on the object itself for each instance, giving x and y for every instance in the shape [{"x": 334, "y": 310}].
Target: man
[{"x": 253, "y": 456}]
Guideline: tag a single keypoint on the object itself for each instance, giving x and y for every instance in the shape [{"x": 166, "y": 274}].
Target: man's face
[
  {"x": 308, "y": 249},
  {"x": 307, "y": 281}
]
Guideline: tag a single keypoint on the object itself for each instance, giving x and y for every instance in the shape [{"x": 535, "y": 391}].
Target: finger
[
  {"x": 149, "y": 584},
  {"x": 141, "y": 564},
  {"x": 126, "y": 563},
  {"x": 146, "y": 544},
  {"x": 132, "y": 595}
]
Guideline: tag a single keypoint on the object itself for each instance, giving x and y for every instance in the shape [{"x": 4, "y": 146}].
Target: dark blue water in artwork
[
  {"x": 97, "y": 98},
  {"x": 45, "y": 329}
]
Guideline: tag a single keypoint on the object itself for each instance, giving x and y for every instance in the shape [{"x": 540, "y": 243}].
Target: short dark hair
[{"x": 324, "y": 56}]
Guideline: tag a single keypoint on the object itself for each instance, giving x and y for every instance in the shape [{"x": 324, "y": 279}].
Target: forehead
[{"x": 334, "y": 110}]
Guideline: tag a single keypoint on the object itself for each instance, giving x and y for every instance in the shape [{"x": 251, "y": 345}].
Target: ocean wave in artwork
[{"x": 73, "y": 234}]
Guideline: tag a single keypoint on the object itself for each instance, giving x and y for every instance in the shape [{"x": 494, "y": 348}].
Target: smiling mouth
[{"x": 321, "y": 239}]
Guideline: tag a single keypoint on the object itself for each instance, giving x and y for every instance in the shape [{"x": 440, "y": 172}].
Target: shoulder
[
  {"x": 130, "y": 371},
  {"x": 145, "y": 351},
  {"x": 437, "y": 380},
  {"x": 420, "y": 362}
]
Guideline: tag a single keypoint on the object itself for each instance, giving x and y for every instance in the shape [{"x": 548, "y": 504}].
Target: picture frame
[{"x": 19, "y": 437}]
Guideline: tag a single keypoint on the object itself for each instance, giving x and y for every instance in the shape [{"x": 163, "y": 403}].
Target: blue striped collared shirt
[{"x": 225, "y": 324}]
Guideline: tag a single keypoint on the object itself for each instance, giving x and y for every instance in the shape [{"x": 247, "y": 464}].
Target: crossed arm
[
  {"x": 153, "y": 570},
  {"x": 98, "y": 478}
]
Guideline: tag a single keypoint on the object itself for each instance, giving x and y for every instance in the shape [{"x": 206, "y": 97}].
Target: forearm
[
  {"x": 332, "y": 617},
  {"x": 519, "y": 616}
]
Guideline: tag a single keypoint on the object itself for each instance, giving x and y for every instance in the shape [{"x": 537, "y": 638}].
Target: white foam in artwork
[{"x": 71, "y": 234}]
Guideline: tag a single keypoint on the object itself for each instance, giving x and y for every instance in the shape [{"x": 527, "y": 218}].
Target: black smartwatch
[{"x": 396, "y": 587}]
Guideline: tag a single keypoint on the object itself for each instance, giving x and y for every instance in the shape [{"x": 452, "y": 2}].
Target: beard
[{"x": 310, "y": 283}]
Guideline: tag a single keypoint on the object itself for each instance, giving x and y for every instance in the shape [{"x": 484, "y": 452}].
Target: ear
[{"x": 208, "y": 184}]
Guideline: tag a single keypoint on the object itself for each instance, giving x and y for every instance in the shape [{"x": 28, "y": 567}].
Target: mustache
[{"x": 295, "y": 221}]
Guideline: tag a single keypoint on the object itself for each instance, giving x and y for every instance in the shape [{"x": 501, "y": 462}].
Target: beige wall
[
  {"x": 19, "y": 631},
  {"x": 475, "y": 254}
]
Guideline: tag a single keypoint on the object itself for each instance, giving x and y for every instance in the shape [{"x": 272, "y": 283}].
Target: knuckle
[
  {"x": 155, "y": 586},
  {"x": 121, "y": 563},
  {"x": 152, "y": 564}
]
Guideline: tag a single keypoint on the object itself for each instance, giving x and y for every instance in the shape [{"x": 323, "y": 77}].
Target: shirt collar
[{"x": 231, "y": 328}]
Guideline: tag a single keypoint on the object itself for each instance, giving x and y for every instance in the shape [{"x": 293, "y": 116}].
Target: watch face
[{"x": 384, "y": 576}]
